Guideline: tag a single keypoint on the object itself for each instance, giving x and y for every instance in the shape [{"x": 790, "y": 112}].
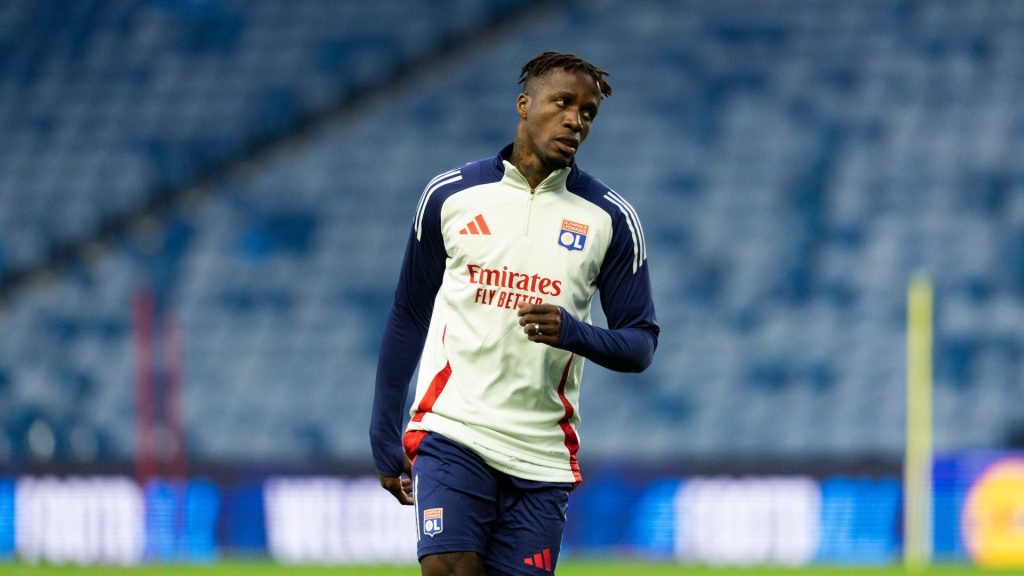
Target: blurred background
[{"x": 204, "y": 205}]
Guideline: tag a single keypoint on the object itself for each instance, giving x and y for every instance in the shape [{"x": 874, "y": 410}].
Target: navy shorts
[{"x": 463, "y": 505}]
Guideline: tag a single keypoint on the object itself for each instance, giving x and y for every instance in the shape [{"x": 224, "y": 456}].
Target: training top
[{"x": 482, "y": 241}]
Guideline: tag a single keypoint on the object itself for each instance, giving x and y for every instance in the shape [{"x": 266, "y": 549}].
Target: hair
[{"x": 548, "y": 61}]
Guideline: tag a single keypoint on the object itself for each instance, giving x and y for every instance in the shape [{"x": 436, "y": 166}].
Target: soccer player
[{"x": 493, "y": 302}]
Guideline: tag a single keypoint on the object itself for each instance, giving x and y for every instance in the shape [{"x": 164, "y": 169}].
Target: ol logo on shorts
[{"x": 433, "y": 521}]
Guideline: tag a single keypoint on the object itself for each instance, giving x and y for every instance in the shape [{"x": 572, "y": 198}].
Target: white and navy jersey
[{"x": 482, "y": 241}]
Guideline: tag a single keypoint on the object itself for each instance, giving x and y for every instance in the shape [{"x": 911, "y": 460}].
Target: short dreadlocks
[{"x": 548, "y": 61}]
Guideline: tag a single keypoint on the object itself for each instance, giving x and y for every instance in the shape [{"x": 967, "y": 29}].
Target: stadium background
[{"x": 203, "y": 206}]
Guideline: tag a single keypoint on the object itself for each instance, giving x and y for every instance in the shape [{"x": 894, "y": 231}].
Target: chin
[{"x": 558, "y": 161}]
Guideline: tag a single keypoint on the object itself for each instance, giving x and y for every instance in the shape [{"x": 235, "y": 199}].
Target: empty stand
[{"x": 793, "y": 163}]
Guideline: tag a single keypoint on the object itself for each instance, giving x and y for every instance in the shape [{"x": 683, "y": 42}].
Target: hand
[
  {"x": 400, "y": 488},
  {"x": 541, "y": 322}
]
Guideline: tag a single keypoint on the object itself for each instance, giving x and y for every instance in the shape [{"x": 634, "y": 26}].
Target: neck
[{"x": 529, "y": 165}]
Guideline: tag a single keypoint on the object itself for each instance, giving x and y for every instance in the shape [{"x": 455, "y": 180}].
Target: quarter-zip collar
[
  {"x": 554, "y": 182},
  {"x": 513, "y": 177}
]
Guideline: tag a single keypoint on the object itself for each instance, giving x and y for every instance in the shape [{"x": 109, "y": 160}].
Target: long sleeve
[
  {"x": 622, "y": 350},
  {"x": 402, "y": 342},
  {"x": 624, "y": 283}
]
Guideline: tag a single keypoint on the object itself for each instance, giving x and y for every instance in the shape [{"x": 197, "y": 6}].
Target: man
[{"x": 504, "y": 258}]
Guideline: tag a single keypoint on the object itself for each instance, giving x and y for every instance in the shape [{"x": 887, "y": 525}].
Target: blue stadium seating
[{"x": 794, "y": 163}]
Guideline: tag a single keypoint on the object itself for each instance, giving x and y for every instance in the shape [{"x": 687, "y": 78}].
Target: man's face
[{"x": 557, "y": 110}]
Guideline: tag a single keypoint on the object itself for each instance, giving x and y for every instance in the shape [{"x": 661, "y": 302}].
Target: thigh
[
  {"x": 455, "y": 497},
  {"x": 527, "y": 536},
  {"x": 451, "y": 564}
]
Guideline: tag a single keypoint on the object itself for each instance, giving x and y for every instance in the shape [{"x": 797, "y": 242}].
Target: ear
[{"x": 522, "y": 105}]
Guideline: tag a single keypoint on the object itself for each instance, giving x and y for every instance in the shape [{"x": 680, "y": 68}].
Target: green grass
[{"x": 576, "y": 568}]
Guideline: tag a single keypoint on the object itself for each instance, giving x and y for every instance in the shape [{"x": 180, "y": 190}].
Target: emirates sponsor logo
[{"x": 506, "y": 288}]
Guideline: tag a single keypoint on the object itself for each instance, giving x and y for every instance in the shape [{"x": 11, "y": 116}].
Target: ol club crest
[
  {"x": 433, "y": 521},
  {"x": 573, "y": 235}
]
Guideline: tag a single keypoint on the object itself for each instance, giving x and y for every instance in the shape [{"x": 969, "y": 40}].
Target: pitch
[{"x": 568, "y": 568}]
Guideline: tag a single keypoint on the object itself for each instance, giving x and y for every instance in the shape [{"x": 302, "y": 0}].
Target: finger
[
  {"x": 529, "y": 321},
  {"x": 525, "y": 309},
  {"x": 402, "y": 494},
  {"x": 542, "y": 319},
  {"x": 403, "y": 498},
  {"x": 543, "y": 339},
  {"x": 533, "y": 328},
  {"x": 546, "y": 334},
  {"x": 400, "y": 488},
  {"x": 537, "y": 308}
]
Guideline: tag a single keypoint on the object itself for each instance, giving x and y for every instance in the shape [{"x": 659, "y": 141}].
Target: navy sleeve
[
  {"x": 628, "y": 344},
  {"x": 404, "y": 335}
]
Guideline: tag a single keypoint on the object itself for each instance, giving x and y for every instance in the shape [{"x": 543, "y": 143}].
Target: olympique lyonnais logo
[
  {"x": 573, "y": 235},
  {"x": 433, "y": 521},
  {"x": 521, "y": 288}
]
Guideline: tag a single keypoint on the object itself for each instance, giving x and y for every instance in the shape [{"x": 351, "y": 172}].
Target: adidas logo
[
  {"x": 540, "y": 560},
  {"x": 476, "y": 227}
]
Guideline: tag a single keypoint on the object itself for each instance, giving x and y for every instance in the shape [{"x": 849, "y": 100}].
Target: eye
[{"x": 560, "y": 102}]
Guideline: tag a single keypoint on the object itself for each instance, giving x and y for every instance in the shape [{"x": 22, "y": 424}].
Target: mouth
[{"x": 568, "y": 143}]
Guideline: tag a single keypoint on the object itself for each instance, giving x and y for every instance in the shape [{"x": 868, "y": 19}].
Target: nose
[{"x": 573, "y": 120}]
